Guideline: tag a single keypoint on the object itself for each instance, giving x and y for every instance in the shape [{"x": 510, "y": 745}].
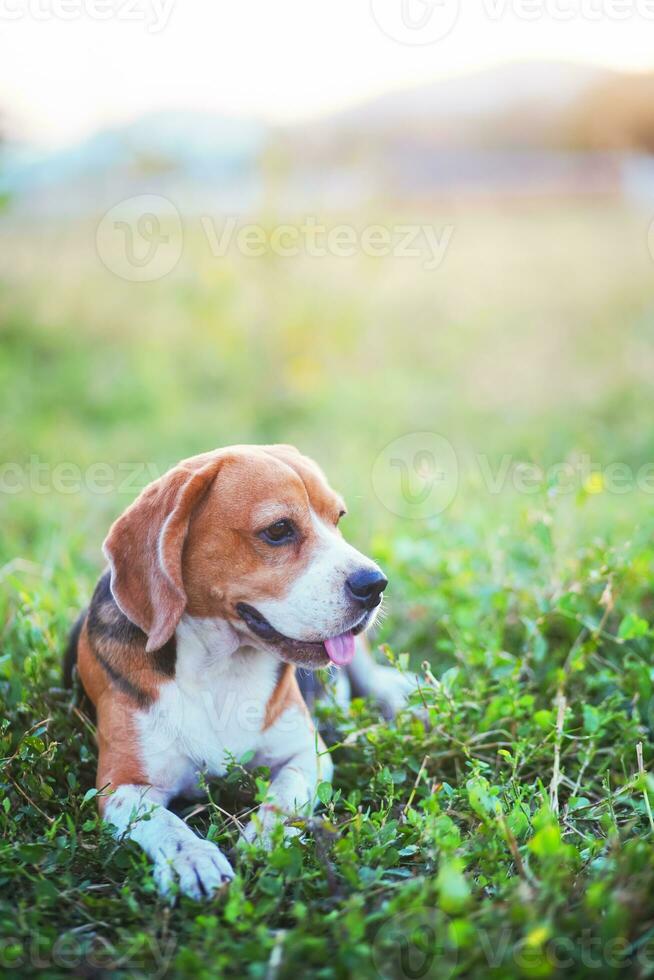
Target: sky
[{"x": 70, "y": 67}]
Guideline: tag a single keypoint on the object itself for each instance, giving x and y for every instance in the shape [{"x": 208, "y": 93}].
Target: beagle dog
[{"x": 225, "y": 575}]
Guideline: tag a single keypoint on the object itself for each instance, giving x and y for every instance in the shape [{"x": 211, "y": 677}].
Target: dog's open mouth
[{"x": 339, "y": 650}]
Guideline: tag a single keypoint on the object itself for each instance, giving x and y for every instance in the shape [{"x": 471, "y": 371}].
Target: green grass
[{"x": 503, "y": 827}]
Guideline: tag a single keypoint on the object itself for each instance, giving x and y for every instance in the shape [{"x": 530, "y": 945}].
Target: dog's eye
[
  {"x": 281, "y": 532},
  {"x": 341, "y": 513}
]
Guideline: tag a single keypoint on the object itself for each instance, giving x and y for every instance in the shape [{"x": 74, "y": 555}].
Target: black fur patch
[
  {"x": 119, "y": 645},
  {"x": 106, "y": 619},
  {"x": 70, "y": 656},
  {"x": 122, "y": 683},
  {"x": 165, "y": 659}
]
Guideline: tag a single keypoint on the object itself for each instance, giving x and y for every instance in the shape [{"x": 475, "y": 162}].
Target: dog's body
[{"x": 225, "y": 575}]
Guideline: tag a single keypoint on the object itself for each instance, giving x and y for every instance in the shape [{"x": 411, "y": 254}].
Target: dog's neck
[{"x": 208, "y": 646}]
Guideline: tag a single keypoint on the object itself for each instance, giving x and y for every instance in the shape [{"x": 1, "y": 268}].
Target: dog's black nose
[{"x": 366, "y": 586}]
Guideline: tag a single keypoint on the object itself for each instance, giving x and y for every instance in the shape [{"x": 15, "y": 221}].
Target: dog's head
[{"x": 248, "y": 535}]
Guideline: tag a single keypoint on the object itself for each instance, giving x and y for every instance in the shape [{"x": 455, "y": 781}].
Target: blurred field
[{"x": 533, "y": 339}]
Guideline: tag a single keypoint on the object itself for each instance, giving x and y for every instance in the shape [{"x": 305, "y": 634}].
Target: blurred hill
[
  {"x": 469, "y": 107},
  {"x": 173, "y": 153},
  {"x": 523, "y": 128}
]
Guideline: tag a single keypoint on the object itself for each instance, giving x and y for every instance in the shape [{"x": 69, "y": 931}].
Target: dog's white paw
[
  {"x": 197, "y": 866},
  {"x": 390, "y": 689}
]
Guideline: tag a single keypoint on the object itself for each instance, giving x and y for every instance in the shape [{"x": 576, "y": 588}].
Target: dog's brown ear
[{"x": 144, "y": 549}]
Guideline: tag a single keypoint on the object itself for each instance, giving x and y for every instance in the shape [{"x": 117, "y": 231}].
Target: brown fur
[
  {"x": 118, "y": 760},
  {"x": 285, "y": 695},
  {"x": 190, "y": 542}
]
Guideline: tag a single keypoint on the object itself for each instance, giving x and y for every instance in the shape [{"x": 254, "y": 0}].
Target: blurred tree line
[{"x": 616, "y": 115}]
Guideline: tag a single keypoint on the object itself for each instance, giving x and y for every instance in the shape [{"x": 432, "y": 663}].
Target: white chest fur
[{"x": 213, "y": 711}]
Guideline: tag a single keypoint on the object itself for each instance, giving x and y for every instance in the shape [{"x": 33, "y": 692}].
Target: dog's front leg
[
  {"x": 295, "y": 777},
  {"x": 387, "y": 687},
  {"x": 179, "y": 855}
]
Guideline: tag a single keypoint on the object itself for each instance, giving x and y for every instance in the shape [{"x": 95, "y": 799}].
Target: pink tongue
[{"x": 340, "y": 649}]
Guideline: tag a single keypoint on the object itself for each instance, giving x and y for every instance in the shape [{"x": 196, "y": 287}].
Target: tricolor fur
[{"x": 224, "y": 576}]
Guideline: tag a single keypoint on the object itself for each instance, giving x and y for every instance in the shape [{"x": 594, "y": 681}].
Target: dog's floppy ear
[{"x": 144, "y": 548}]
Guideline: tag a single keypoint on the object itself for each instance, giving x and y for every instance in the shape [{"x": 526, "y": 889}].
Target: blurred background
[{"x": 413, "y": 239}]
